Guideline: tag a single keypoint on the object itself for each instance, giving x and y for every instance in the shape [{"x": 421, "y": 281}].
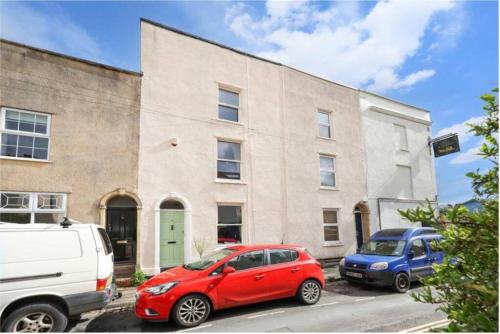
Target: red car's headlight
[{"x": 160, "y": 289}]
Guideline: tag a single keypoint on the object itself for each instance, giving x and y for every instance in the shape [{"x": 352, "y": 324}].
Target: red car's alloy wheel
[{"x": 191, "y": 311}]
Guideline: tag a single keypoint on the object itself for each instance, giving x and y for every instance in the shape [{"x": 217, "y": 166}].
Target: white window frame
[
  {"x": 334, "y": 158},
  {"x": 331, "y": 242},
  {"x": 3, "y": 129},
  {"x": 240, "y": 205},
  {"x": 329, "y": 124},
  {"x": 33, "y": 204},
  {"x": 237, "y": 107},
  {"x": 405, "y": 132},
  {"x": 227, "y": 180}
]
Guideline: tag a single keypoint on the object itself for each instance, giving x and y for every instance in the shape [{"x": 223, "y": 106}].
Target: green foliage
[
  {"x": 138, "y": 278},
  {"x": 465, "y": 285}
]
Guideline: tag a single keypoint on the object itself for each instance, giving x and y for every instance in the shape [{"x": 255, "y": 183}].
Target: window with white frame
[
  {"x": 400, "y": 137},
  {"x": 325, "y": 126},
  {"x": 24, "y": 134},
  {"x": 229, "y": 224},
  {"x": 228, "y": 160},
  {"x": 331, "y": 224},
  {"x": 229, "y": 103},
  {"x": 327, "y": 171},
  {"x": 26, "y": 208}
]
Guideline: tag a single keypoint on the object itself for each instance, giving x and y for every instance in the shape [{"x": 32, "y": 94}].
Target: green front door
[{"x": 171, "y": 238}]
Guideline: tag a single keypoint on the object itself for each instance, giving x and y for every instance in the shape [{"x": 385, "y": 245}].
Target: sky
[{"x": 438, "y": 55}]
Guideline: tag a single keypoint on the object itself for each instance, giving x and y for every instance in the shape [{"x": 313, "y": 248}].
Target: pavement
[{"x": 343, "y": 307}]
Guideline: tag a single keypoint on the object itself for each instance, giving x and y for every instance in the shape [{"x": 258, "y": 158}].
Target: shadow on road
[
  {"x": 125, "y": 320},
  {"x": 359, "y": 290}
]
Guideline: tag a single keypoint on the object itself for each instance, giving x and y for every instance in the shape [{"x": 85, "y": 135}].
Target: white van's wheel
[{"x": 38, "y": 318}]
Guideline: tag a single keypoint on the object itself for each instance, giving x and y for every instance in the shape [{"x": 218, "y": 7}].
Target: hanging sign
[{"x": 445, "y": 145}]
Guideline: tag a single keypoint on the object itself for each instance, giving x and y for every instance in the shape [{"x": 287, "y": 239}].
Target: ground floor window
[
  {"x": 330, "y": 224},
  {"x": 29, "y": 208},
  {"x": 229, "y": 224}
]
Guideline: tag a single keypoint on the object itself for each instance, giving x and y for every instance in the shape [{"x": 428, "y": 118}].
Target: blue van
[{"x": 394, "y": 257}]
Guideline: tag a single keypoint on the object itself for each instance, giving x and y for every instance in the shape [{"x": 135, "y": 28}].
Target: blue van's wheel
[{"x": 401, "y": 283}]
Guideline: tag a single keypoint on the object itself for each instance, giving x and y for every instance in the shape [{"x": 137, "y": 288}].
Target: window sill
[
  {"x": 329, "y": 188},
  {"x": 25, "y": 159},
  {"x": 326, "y": 138},
  {"x": 225, "y": 121},
  {"x": 229, "y": 181},
  {"x": 333, "y": 244}
]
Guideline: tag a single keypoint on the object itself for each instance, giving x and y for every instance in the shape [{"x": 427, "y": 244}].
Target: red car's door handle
[
  {"x": 258, "y": 277},
  {"x": 294, "y": 270}
]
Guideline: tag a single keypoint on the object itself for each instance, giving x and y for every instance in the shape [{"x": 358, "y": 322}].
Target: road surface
[{"x": 343, "y": 308}]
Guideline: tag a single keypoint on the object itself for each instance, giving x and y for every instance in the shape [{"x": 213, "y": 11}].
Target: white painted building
[{"x": 399, "y": 163}]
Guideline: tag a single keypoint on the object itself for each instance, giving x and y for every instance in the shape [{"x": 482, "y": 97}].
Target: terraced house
[{"x": 228, "y": 148}]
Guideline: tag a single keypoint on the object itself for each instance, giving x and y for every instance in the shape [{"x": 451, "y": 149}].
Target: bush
[
  {"x": 465, "y": 285},
  {"x": 138, "y": 278}
]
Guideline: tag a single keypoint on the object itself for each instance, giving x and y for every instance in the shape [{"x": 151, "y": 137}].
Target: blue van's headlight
[
  {"x": 379, "y": 266},
  {"x": 342, "y": 262}
]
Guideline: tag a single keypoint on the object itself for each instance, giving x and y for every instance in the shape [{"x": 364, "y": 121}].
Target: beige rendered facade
[
  {"x": 208, "y": 146},
  {"x": 279, "y": 190},
  {"x": 70, "y": 134}
]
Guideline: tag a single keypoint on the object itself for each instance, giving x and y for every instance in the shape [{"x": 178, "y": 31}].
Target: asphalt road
[{"x": 343, "y": 308}]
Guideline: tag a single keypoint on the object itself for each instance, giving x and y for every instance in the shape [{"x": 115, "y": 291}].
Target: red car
[{"x": 228, "y": 277}]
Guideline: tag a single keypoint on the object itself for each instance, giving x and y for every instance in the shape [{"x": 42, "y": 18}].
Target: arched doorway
[
  {"x": 171, "y": 233},
  {"x": 361, "y": 221},
  {"x": 121, "y": 226},
  {"x": 171, "y": 209}
]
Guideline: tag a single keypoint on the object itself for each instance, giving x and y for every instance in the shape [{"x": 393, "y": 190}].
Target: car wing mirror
[
  {"x": 228, "y": 270},
  {"x": 411, "y": 254}
]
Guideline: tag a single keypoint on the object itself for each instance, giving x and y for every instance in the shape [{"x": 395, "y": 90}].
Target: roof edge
[
  {"x": 395, "y": 101},
  {"x": 182, "y": 32},
  {"x": 62, "y": 55}
]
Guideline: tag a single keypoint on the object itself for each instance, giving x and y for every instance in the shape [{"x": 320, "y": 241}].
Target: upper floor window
[
  {"x": 400, "y": 137},
  {"x": 325, "y": 125},
  {"x": 228, "y": 160},
  {"x": 229, "y": 103},
  {"x": 26, "y": 208},
  {"x": 25, "y": 134},
  {"x": 327, "y": 170}
]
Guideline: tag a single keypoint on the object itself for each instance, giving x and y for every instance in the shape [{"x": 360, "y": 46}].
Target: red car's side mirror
[{"x": 228, "y": 270}]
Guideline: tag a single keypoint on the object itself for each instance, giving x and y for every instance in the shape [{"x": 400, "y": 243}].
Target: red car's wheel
[
  {"x": 309, "y": 292},
  {"x": 190, "y": 311}
]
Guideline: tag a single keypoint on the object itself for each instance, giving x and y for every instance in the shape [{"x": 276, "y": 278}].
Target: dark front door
[
  {"x": 121, "y": 227},
  {"x": 359, "y": 227}
]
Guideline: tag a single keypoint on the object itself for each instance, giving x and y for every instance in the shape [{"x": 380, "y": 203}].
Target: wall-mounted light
[{"x": 173, "y": 142}]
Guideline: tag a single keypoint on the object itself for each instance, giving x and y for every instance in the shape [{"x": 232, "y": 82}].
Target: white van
[{"x": 49, "y": 273}]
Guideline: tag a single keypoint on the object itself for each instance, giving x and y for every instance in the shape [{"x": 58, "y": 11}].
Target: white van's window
[
  {"x": 106, "y": 243},
  {"x": 39, "y": 246}
]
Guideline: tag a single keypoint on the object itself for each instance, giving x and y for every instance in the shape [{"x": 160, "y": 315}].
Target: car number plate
[{"x": 357, "y": 275}]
